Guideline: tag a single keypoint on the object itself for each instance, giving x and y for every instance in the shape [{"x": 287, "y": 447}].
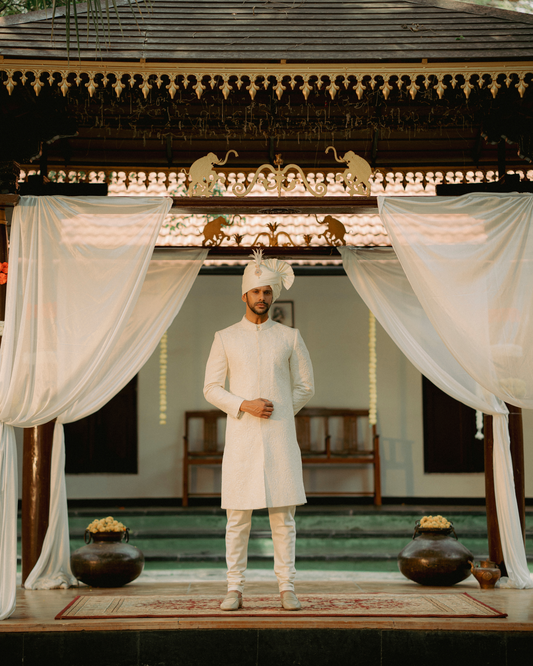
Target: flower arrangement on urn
[{"x": 109, "y": 561}]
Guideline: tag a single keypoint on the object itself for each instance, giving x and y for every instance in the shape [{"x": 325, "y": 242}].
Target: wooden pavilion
[
  {"x": 407, "y": 84},
  {"x": 432, "y": 92}
]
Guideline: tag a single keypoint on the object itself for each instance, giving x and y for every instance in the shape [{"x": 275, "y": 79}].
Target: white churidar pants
[{"x": 283, "y": 528}]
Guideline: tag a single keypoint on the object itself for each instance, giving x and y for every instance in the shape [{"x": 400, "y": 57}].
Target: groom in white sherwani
[{"x": 270, "y": 379}]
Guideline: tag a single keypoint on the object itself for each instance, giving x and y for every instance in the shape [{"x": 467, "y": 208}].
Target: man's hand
[{"x": 260, "y": 407}]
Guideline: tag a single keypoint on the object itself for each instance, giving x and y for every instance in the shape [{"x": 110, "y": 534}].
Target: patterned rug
[{"x": 456, "y": 605}]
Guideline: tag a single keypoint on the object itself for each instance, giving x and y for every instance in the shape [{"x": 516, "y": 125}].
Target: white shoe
[
  {"x": 289, "y": 600},
  {"x": 232, "y": 602}
]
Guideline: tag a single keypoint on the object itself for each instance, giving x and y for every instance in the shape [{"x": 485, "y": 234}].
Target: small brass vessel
[{"x": 487, "y": 574}]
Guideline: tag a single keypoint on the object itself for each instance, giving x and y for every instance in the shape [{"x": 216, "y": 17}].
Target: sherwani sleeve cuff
[{"x": 236, "y": 407}]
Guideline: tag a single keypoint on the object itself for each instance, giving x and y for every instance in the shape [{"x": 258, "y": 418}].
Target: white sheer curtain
[
  {"x": 167, "y": 283},
  {"x": 380, "y": 280},
  {"x": 77, "y": 266},
  {"x": 470, "y": 262},
  {"x": 465, "y": 272}
]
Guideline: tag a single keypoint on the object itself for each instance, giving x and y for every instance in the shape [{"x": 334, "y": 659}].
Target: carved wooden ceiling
[
  {"x": 403, "y": 83},
  {"x": 159, "y": 131}
]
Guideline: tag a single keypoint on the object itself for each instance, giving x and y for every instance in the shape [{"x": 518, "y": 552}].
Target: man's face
[{"x": 259, "y": 299}]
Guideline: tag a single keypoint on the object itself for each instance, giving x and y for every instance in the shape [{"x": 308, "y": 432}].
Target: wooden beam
[
  {"x": 301, "y": 252},
  {"x": 511, "y": 183},
  {"x": 8, "y": 201},
  {"x": 253, "y": 205}
]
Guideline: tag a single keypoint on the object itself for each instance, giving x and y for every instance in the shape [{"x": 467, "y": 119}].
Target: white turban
[{"x": 267, "y": 272}]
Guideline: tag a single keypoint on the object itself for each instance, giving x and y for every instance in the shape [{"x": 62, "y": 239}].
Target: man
[{"x": 270, "y": 380}]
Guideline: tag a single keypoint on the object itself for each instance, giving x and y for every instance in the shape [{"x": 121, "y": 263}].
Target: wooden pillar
[
  {"x": 36, "y": 464},
  {"x": 517, "y": 454},
  {"x": 516, "y": 435},
  {"x": 493, "y": 528},
  {"x": 37, "y": 456},
  {"x": 37, "y": 453}
]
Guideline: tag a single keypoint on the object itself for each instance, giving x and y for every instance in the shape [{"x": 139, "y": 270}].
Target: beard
[{"x": 256, "y": 310}]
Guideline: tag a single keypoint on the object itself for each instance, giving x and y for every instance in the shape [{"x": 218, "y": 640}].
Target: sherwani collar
[{"x": 248, "y": 325}]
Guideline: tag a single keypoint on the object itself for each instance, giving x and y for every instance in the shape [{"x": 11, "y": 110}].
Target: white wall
[{"x": 334, "y": 323}]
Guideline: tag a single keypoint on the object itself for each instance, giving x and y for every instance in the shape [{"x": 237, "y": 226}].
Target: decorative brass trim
[
  {"x": 281, "y": 181},
  {"x": 405, "y": 175},
  {"x": 174, "y": 180},
  {"x": 273, "y": 237},
  {"x": 203, "y": 178},
  {"x": 214, "y": 236},
  {"x": 412, "y": 77}
]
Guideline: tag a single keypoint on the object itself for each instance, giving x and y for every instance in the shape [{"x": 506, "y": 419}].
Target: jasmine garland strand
[
  {"x": 163, "y": 379},
  {"x": 372, "y": 365}
]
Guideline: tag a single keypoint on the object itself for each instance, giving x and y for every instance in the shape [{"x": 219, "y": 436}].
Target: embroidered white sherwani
[{"x": 262, "y": 465}]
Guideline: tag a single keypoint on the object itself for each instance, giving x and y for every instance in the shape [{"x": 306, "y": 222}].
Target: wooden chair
[
  {"x": 207, "y": 450},
  {"x": 344, "y": 445},
  {"x": 325, "y": 436}
]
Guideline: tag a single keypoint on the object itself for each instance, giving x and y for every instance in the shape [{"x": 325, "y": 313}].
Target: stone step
[
  {"x": 305, "y": 521},
  {"x": 325, "y": 534},
  {"x": 354, "y": 533},
  {"x": 260, "y": 548}
]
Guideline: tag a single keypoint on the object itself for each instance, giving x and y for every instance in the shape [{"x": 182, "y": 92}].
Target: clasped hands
[{"x": 259, "y": 407}]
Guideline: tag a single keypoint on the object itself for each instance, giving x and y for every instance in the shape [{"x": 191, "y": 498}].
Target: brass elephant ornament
[
  {"x": 335, "y": 232},
  {"x": 202, "y": 176},
  {"x": 213, "y": 231},
  {"x": 213, "y": 234},
  {"x": 356, "y": 175}
]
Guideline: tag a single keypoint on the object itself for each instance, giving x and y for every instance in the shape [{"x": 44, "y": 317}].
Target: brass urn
[
  {"x": 435, "y": 557},
  {"x": 107, "y": 562}
]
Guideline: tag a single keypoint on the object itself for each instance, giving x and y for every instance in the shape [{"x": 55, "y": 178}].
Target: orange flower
[
  {"x": 3, "y": 278},
  {"x": 3, "y": 267}
]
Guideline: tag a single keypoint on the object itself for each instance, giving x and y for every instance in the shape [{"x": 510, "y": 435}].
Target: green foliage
[
  {"x": 9, "y": 7},
  {"x": 99, "y": 8},
  {"x": 510, "y": 5},
  {"x": 97, "y": 15}
]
